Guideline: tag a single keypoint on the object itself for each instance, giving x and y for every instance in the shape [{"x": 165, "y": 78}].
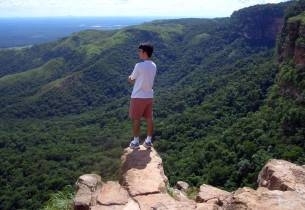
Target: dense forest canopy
[{"x": 221, "y": 109}]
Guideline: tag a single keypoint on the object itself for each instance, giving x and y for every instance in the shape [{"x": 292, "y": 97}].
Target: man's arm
[
  {"x": 131, "y": 81},
  {"x": 132, "y": 78}
]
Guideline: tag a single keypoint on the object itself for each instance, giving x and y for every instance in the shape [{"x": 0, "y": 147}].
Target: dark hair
[{"x": 147, "y": 47}]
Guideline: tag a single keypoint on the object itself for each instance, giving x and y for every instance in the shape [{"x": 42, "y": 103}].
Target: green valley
[{"x": 227, "y": 98}]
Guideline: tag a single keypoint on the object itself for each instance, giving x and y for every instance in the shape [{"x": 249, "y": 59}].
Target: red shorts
[{"x": 140, "y": 107}]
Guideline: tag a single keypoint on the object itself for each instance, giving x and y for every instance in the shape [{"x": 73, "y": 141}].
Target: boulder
[
  {"x": 112, "y": 193},
  {"x": 210, "y": 194},
  {"x": 264, "y": 199},
  {"x": 282, "y": 175},
  {"x": 182, "y": 186},
  {"x": 87, "y": 186},
  {"x": 178, "y": 195}
]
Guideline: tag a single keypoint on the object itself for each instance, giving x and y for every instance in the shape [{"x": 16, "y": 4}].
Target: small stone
[{"x": 183, "y": 186}]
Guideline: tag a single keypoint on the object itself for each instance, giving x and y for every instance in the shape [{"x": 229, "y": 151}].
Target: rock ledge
[{"x": 144, "y": 186}]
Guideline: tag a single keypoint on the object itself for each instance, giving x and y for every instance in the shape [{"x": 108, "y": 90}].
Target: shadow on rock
[{"x": 137, "y": 159}]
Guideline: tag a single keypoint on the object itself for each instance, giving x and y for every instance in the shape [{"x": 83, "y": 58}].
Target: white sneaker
[
  {"x": 134, "y": 145},
  {"x": 147, "y": 144}
]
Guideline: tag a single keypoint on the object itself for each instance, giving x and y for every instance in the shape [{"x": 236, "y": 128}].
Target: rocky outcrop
[
  {"x": 281, "y": 187},
  {"x": 284, "y": 176},
  {"x": 142, "y": 172},
  {"x": 291, "y": 57},
  {"x": 144, "y": 186},
  {"x": 292, "y": 45},
  {"x": 264, "y": 199},
  {"x": 87, "y": 187},
  {"x": 210, "y": 194}
]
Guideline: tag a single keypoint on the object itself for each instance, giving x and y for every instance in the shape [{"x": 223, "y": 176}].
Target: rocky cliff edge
[{"x": 144, "y": 186}]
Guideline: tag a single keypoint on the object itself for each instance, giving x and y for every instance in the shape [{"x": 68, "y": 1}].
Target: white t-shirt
[{"x": 144, "y": 74}]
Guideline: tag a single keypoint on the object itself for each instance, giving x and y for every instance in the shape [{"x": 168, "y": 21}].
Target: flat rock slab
[
  {"x": 142, "y": 172},
  {"x": 131, "y": 205},
  {"x": 162, "y": 201},
  {"x": 208, "y": 193},
  {"x": 112, "y": 193}
]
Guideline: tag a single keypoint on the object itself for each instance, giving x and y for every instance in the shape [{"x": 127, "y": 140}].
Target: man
[{"x": 141, "y": 103}]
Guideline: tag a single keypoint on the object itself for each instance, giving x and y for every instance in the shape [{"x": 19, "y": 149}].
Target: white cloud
[{"x": 189, "y": 8}]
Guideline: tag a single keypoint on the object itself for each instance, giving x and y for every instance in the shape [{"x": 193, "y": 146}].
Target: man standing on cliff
[{"x": 141, "y": 103}]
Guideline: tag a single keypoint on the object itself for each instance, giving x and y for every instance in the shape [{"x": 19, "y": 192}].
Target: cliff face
[
  {"x": 291, "y": 56},
  {"x": 144, "y": 186},
  {"x": 260, "y": 24},
  {"x": 293, "y": 41}
]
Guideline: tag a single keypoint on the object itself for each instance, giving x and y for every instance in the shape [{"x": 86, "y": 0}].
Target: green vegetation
[
  {"x": 300, "y": 17},
  {"x": 60, "y": 200},
  {"x": 223, "y": 107}
]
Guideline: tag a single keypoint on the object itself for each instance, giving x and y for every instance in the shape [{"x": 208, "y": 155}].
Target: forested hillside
[
  {"x": 220, "y": 108},
  {"x": 259, "y": 115}
]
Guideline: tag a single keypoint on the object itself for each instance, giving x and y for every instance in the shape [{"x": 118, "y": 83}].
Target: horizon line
[{"x": 110, "y": 16}]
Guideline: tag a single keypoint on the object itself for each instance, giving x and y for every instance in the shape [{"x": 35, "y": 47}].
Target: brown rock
[
  {"x": 87, "y": 186},
  {"x": 293, "y": 45},
  {"x": 299, "y": 57},
  {"x": 145, "y": 189},
  {"x": 211, "y": 194},
  {"x": 131, "y": 205},
  {"x": 142, "y": 172},
  {"x": 162, "y": 201},
  {"x": 103, "y": 207},
  {"x": 178, "y": 195},
  {"x": 112, "y": 193},
  {"x": 208, "y": 206},
  {"x": 264, "y": 199},
  {"x": 92, "y": 181},
  {"x": 282, "y": 175},
  {"x": 183, "y": 186}
]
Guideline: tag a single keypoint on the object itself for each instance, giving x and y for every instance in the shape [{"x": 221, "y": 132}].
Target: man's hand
[{"x": 131, "y": 81}]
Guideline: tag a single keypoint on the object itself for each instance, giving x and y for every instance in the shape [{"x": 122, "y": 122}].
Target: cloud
[
  {"x": 259, "y": 1},
  {"x": 188, "y": 8}
]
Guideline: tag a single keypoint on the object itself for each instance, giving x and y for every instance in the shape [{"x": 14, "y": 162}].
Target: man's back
[{"x": 144, "y": 74}]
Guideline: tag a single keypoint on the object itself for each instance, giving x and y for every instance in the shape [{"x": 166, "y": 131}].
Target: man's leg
[
  {"x": 136, "y": 127},
  {"x": 135, "y": 143},
  {"x": 150, "y": 126},
  {"x": 135, "y": 115}
]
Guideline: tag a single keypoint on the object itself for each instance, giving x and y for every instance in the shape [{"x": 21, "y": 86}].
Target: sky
[{"x": 152, "y": 8}]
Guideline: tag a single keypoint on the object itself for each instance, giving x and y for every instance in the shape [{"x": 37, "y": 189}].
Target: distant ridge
[{"x": 16, "y": 32}]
